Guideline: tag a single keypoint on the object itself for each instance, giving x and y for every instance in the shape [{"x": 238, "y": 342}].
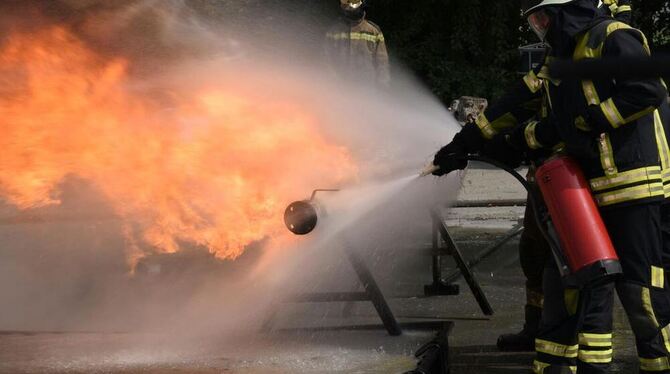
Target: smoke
[{"x": 64, "y": 264}]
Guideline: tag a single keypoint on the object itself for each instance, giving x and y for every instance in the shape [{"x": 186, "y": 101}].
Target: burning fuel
[{"x": 205, "y": 165}]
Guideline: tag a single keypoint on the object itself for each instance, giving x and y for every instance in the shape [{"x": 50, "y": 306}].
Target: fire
[{"x": 210, "y": 166}]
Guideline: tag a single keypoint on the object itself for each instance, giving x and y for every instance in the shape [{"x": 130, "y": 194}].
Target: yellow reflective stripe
[
  {"x": 555, "y": 349},
  {"x": 654, "y": 364},
  {"x": 639, "y": 114},
  {"x": 648, "y": 308},
  {"x": 612, "y": 113},
  {"x": 595, "y": 340},
  {"x": 663, "y": 151},
  {"x": 533, "y": 83},
  {"x": 629, "y": 194},
  {"x": 539, "y": 367},
  {"x": 595, "y": 357},
  {"x": 624, "y": 8},
  {"x": 666, "y": 337},
  {"x": 627, "y": 177},
  {"x": 485, "y": 126},
  {"x": 581, "y": 124},
  {"x": 571, "y": 300},
  {"x": 657, "y": 277},
  {"x": 607, "y": 155},
  {"x": 356, "y": 36},
  {"x": 529, "y": 132},
  {"x": 590, "y": 93}
]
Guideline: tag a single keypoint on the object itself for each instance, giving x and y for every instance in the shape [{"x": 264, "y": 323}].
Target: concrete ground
[{"x": 292, "y": 347}]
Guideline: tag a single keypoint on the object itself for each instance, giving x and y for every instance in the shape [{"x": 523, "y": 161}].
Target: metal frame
[
  {"x": 371, "y": 293},
  {"x": 439, "y": 286}
]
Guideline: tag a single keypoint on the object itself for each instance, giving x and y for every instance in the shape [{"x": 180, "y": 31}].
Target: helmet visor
[{"x": 540, "y": 21}]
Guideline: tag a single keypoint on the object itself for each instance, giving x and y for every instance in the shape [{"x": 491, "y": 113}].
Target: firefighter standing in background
[
  {"x": 355, "y": 47},
  {"x": 517, "y": 106},
  {"x": 610, "y": 128}
]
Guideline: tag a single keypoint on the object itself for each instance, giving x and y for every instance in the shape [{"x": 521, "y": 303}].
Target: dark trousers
[{"x": 576, "y": 328}]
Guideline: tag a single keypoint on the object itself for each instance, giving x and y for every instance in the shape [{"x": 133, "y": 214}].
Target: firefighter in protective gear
[
  {"x": 519, "y": 104},
  {"x": 610, "y": 128},
  {"x": 355, "y": 47},
  {"x": 533, "y": 248}
]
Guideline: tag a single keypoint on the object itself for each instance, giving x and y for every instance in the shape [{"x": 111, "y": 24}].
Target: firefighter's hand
[{"x": 451, "y": 157}]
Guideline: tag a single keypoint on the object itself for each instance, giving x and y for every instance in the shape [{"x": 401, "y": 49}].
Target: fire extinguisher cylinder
[{"x": 584, "y": 240}]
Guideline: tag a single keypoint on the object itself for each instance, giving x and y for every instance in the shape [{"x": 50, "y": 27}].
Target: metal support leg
[
  {"x": 514, "y": 232},
  {"x": 371, "y": 293},
  {"x": 374, "y": 293},
  {"x": 438, "y": 287},
  {"x": 465, "y": 269}
]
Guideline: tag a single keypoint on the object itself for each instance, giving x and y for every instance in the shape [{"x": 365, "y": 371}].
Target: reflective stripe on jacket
[{"x": 358, "y": 51}]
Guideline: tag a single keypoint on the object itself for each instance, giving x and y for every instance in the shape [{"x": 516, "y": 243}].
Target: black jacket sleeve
[
  {"x": 519, "y": 103},
  {"x": 631, "y": 99}
]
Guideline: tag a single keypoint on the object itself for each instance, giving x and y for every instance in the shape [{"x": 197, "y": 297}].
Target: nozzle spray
[{"x": 428, "y": 170}]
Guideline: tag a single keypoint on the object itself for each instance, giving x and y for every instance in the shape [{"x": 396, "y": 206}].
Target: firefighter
[
  {"x": 533, "y": 248},
  {"x": 609, "y": 128},
  {"x": 355, "y": 47}
]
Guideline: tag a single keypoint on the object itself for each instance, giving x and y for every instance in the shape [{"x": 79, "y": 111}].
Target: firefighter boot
[{"x": 523, "y": 341}]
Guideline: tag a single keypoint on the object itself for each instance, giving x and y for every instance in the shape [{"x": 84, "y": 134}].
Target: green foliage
[{"x": 470, "y": 47}]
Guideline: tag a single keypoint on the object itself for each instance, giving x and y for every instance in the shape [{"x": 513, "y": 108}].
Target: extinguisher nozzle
[{"x": 428, "y": 170}]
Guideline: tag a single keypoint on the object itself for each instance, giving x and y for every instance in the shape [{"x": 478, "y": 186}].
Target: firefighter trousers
[{"x": 576, "y": 330}]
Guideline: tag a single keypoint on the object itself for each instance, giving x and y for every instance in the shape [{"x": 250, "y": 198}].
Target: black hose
[{"x": 535, "y": 203}]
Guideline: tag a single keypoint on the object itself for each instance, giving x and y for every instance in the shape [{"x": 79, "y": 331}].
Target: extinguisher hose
[{"x": 535, "y": 202}]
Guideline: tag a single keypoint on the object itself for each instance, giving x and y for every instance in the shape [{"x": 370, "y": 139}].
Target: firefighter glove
[{"x": 453, "y": 156}]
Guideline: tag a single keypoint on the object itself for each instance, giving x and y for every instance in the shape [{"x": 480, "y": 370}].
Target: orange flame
[{"x": 215, "y": 169}]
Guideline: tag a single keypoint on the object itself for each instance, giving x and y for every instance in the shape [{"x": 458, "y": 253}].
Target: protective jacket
[
  {"x": 357, "y": 50},
  {"x": 611, "y": 127}
]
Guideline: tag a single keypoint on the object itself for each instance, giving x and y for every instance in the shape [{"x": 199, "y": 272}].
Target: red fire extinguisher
[{"x": 575, "y": 222}]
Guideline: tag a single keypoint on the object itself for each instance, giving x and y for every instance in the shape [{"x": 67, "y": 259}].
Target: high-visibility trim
[
  {"x": 529, "y": 133},
  {"x": 650, "y": 173},
  {"x": 663, "y": 151},
  {"x": 648, "y": 307},
  {"x": 666, "y": 337},
  {"x": 485, "y": 126},
  {"x": 645, "y": 191},
  {"x": 590, "y": 93},
  {"x": 595, "y": 357},
  {"x": 654, "y": 364},
  {"x": 650, "y": 364},
  {"x": 612, "y": 114},
  {"x": 624, "y": 8},
  {"x": 555, "y": 349},
  {"x": 640, "y": 114},
  {"x": 539, "y": 367},
  {"x": 657, "y": 277},
  {"x": 607, "y": 155},
  {"x": 533, "y": 83},
  {"x": 571, "y": 300},
  {"x": 581, "y": 124},
  {"x": 595, "y": 340},
  {"x": 356, "y": 36}
]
